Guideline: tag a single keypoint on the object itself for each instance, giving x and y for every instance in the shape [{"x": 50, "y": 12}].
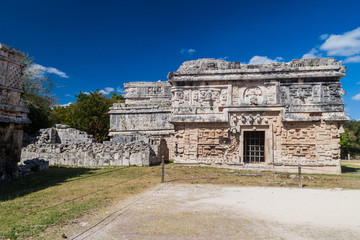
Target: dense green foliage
[
  {"x": 37, "y": 96},
  {"x": 89, "y": 113},
  {"x": 344, "y": 145},
  {"x": 350, "y": 140}
]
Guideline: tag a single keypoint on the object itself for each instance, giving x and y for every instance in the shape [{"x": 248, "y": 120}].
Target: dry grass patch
[
  {"x": 350, "y": 179},
  {"x": 52, "y": 198},
  {"x": 55, "y": 197}
]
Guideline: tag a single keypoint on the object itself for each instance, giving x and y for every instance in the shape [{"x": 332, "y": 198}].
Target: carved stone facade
[
  {"x": 145, "y": 113},
  {"x": 272, "y": 116},
  {"x": 146, "y": 110},
  {"x": 12, "y": 110}
]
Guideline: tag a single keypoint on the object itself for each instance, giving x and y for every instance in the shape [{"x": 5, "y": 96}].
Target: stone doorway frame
[
  {"x": 254, "y": 146},
  {"x": 268, "y": 148}
]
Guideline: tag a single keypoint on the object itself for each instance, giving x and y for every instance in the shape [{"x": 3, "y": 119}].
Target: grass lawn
[{"x": 51, "y": 198}]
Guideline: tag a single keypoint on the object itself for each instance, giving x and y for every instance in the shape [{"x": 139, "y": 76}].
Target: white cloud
[
  {"x": 56, "y": 72},
  {"x": 312, "y": 54},
  {"x": 187, "y": 52},
  {"x": 35, "y": 70},
  {"x": 109, "y": 89},
  {"x": 223, "y": 58},
  {"x": 264, "y": 59},
  {"x": 38, "y": 70},
  {"x": 68, "y": 95},
  {"x": 353, "y": 59},
  {"x": 346, "y": 44},
  {"x": 324, "y": 36},
  {"x": 65, "y": 105},
  {"x": 87, "y": 93},
  {"x": 356, "y": 97},
  {"x": 104, "y": 92}
]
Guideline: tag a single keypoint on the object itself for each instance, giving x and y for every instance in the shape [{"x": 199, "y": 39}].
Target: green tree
[
  {"x": 37, "y": 96},
  {"x": 117, "y": 98},
  {"x": 90, "y": 113},
  {"x": 352, "y": 129},
  {"x": 344, "y": 144}
]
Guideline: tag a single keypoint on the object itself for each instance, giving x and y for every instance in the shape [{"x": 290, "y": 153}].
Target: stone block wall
[
  {"x": 10, "y": 149},
  {"x": 61, "y": 134},
  {"x": 146, "y": 109},
  {"x": 83, "y": 151},
  {"x": 92, "y": 154}
]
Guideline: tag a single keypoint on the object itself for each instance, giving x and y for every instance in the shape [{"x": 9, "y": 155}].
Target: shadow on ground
[
  {"x": 349, "y": 169},
  {"x": 41, "y": 180}
]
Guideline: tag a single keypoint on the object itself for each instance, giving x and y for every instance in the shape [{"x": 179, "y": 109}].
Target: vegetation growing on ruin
[
  {"x": 48, "y": 200},
  {"x": 350, "y": 140},
  {"x": 38, "y": 96},
  {"x": 88, "y": 113}
]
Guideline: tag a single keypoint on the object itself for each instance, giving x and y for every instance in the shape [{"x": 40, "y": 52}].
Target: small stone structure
[
  {"x": 12, "y": 110},
  {"x": 144, "y": 116},
  {"x": 33, "y": 165},
  {"x": 68, "y": 146},
  {"x": 147, "y": 110},
  {"x": 271, "y": 116}
]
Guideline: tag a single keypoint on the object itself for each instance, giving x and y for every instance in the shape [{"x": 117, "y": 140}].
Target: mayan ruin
[
  {"x": 12, "y": 110},
  {"x": 213, "y": 112}
]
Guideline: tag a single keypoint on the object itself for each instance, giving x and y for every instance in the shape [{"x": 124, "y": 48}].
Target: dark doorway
[
  {"x": 254, "y": 146},
  {"x": 163, "y": 150}
]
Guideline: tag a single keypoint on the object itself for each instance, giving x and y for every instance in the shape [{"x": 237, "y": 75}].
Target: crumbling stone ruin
[
  {"x": 33, "y": 165},
  {"x": 270, "y": 116},
  {"x": 68, "y": 146},
  {"x": 12, "y": 110}
]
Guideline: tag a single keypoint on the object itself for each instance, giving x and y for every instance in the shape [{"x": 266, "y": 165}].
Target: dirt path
[{"x": 174, "y": 211}]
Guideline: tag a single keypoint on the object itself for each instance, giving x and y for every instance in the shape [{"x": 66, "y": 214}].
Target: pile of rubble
[
  {"x": 67, "y": 146},
  {"x": 33, "y": 165}
]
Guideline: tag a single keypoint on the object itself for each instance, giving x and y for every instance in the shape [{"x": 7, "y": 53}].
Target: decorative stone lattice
[{"x": 12, "y": 111}]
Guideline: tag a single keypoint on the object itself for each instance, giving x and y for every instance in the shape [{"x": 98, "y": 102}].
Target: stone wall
[
  {"x": 12, "y": 110},
  {"x": 227, "y": 113},
  {"x": 296, "y": 105},
  {"x": 146, "y": 109},
  {"x": 68, "y": 146},
  {"x": 60, "y": 134}
]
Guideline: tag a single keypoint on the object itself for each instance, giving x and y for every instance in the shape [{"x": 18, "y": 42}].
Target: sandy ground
[{"x": 173, "y": 211}]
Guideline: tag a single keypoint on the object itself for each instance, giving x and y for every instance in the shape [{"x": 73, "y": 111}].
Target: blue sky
[{"x": 89, "y": 45}]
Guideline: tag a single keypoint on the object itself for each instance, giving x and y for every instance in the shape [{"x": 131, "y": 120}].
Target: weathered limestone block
[
  {"x": 33, "y": 165},
  {"x": 146, "y": 109},
  {"x": 83, "y": 151},
  {"x": 61, "y": 134},
  {"x": 12, "y": 110}
]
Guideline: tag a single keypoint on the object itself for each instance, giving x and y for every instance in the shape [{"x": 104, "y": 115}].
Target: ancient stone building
[
  {"x": 271, "y": 116},
  {"x": 146, "y": 112},
  {"x": 12, "y": 110}
]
